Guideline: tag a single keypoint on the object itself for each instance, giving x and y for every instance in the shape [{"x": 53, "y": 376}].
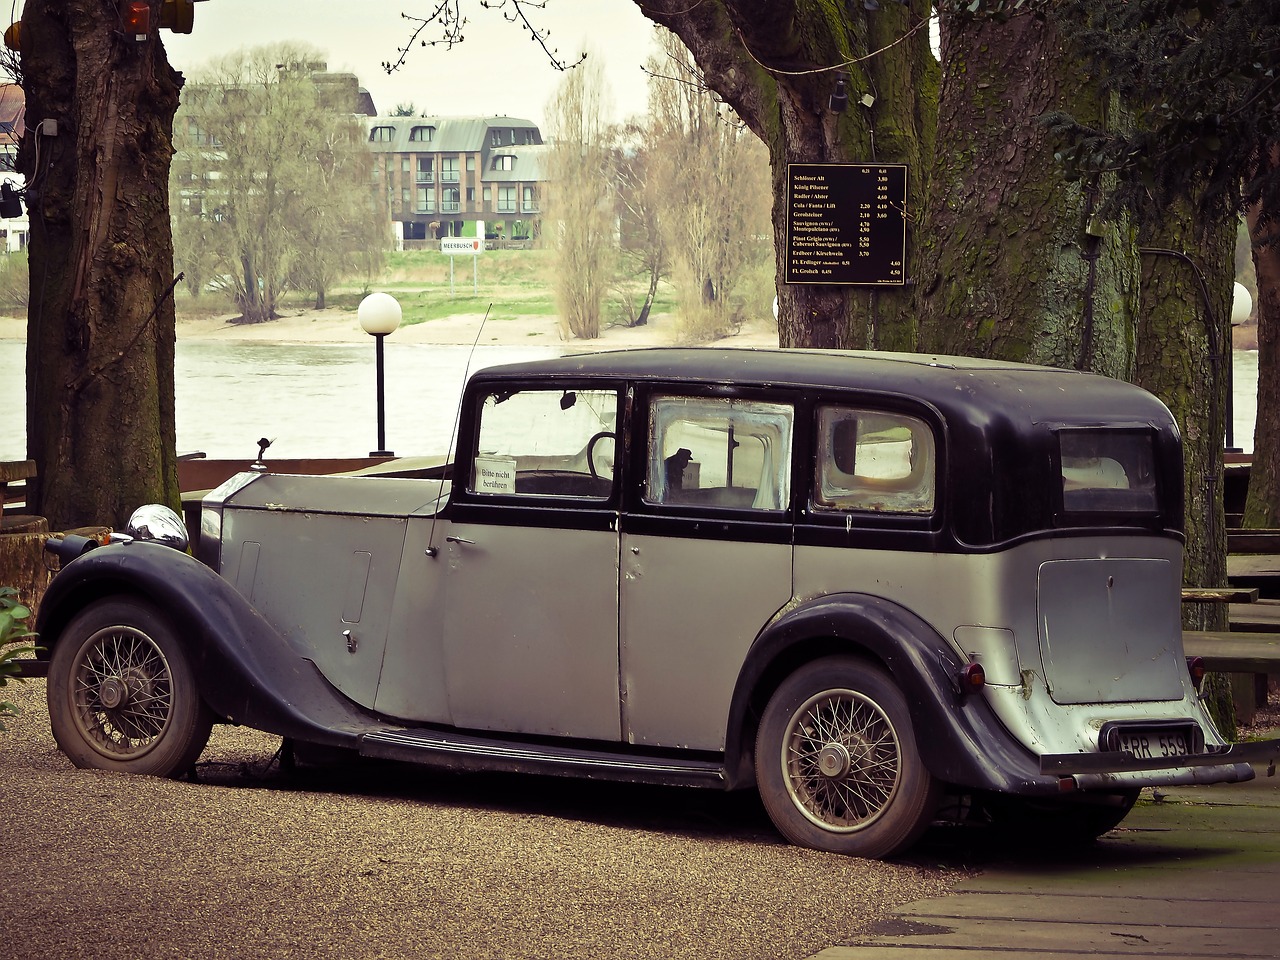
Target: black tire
[
  {"x": 857, "y": 786},
  {"x": 1060, "y": 823},
  {"x": 122, "y": 695}
]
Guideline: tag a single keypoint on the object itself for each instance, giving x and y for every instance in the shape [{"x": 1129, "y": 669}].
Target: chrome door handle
[{"x": 458, "y": 540}]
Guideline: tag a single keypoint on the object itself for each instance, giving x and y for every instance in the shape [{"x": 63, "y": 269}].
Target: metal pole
[{"x": 382, "y": 450}]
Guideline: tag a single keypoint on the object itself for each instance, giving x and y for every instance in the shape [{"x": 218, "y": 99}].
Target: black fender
[
  {"x": 247, "y": 673},
  {"x": 961, "y": 740}
]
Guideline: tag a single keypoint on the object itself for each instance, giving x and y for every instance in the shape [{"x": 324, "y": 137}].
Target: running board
[{"x": 461, "y": 752}]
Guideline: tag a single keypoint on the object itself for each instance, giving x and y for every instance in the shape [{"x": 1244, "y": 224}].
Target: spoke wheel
[
  {"x": 122, "y": 695},
  {"x": 836, "y": 761}
]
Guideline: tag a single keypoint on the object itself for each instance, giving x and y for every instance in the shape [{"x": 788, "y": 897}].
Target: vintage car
[{"x": 863, "y": 584}]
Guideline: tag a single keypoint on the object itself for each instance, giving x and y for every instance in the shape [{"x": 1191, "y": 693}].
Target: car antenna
[{"x": 432, "y": 550}]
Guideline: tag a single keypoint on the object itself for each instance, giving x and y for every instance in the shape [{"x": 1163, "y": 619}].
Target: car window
[
  {"x": 874, "y": 461},
  {"x": 557, "y": 443},
  {"x": 1108, "y": 471},
  {"x": 719, "y": 452}
]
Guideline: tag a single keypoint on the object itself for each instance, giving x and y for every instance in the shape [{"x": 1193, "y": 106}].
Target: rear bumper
[{"x": 1160, "y": 770}]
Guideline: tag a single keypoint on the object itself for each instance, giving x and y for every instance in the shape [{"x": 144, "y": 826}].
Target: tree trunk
[
  {"x": 1262, "y": 507},
  {"x": 1013, "y": 264},
  {"x": 1184, "y": 345},
  {"x": 775, "y": 62},
  {"x": 100, "y": 419}
]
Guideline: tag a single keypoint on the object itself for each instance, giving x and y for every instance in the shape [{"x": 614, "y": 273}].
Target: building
[
  {"x": 458, "y": 176},
  {"x": 14, "y": 231}
]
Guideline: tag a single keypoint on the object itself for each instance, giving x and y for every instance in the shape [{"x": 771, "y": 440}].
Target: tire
[
  {"x": 857, "y": 786},
  {"x": 1060, "y": 824},
  {"x": 122, "y": 694}
]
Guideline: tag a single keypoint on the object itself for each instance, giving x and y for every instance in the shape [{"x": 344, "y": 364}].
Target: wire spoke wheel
[
  {"x": 842, "y": 760},
  {"x": 837, "y": 764},
  {"x": 122, "y": 694}
]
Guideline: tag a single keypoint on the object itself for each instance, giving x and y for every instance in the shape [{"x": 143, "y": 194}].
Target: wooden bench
[{"x": 14, "y": 475}]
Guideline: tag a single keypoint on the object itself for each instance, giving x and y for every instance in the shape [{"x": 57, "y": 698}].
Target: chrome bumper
[{"x": 1121, "y": 761}]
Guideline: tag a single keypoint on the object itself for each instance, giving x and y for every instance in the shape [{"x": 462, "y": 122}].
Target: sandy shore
[{"x": 337, "y": 326}]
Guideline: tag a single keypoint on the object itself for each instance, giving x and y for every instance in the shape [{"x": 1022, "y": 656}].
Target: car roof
[{"x": 947, "y": 382}]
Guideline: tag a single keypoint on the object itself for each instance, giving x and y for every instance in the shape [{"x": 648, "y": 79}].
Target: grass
[{"x": 507, "y": 284}]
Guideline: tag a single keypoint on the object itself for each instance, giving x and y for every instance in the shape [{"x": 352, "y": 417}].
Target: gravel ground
[{"x": 403, "y": 862}]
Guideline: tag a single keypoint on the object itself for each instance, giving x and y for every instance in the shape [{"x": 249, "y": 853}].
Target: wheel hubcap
[
  {"x": 841, "y": 760},
  {"x": 121, "y": 692}
]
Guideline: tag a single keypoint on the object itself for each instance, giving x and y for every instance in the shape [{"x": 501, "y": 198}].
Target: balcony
[
  {"x": 449, "y": 176},
  {"x": 450, "y": 206},
  {"x": 425, "y": 176}
]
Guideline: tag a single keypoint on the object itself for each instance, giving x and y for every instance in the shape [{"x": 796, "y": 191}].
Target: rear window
[{"x": 1108, "y": 471}]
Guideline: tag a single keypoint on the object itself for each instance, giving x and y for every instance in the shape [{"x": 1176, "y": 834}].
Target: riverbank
[{"x": 342, "y": 326}]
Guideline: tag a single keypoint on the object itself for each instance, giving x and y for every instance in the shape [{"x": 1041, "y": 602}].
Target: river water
[{"x": 318, "y": 400}]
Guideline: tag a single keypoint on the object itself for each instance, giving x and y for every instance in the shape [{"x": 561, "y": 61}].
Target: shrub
[{"x": 13, "y": 628}]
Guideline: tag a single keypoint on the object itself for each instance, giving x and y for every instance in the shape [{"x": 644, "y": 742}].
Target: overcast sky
[{"x": 497, "y": 70}]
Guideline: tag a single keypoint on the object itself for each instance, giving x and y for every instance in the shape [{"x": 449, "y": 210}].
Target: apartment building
[{"x": 458, "y": 176}]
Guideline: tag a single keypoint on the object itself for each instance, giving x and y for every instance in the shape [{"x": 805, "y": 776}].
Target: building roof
[{"x": 449, "y": 134}]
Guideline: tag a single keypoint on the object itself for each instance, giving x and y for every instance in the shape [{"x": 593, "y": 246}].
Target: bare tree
[
  {"x": 714, "y": 205},
  {"x": 273, "y": 179},
  {"x": 578, "y": 220}
]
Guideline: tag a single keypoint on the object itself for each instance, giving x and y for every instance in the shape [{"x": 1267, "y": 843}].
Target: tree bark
[
  {"x": 100, "y": 419},
  {"x": 1262, "y": 506},
  {"x": 1013, "y": 263},
  {"x": 1183, "y": 347},
  {"x": 775, "y": 62}
]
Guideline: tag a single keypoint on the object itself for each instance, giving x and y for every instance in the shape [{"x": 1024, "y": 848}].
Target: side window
[
  {"x": 875, "y": 462},
  {"x": 719, "y": 453},
  {"x": 553, "y": 443}
]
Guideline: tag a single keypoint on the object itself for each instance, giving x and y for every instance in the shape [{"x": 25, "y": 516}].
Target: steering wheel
[{"x": 591, "y": 446}]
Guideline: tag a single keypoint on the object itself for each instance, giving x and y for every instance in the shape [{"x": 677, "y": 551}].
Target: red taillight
[
  {"x": 972, "y": 678},
  {"x": 137, "y": 19},
  {"x": 1195, "y": 667}
]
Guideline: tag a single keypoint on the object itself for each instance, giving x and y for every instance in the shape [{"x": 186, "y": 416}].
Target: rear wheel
[
  {"x": 122, "y": 695},
  {"x": 836, "y": 761}
]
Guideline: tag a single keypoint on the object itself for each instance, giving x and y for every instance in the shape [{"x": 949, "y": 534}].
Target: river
[{"x": 318, "y": 400}]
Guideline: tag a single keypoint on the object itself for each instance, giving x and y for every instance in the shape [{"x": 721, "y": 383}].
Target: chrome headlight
[{"x": 154, "y": 521}]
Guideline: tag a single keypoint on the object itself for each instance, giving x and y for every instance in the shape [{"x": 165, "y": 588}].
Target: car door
[
  {"x": 706, "y": 558},
  {"x": 531, "y": 593}
]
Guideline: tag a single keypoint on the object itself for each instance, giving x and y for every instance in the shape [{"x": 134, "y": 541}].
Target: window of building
[
  {"x": 449, "y": 200},
  {"x": 422, "y": 134},
  {"x": 425, "y": 172},
  {"x": 426, "y": 201},
  {"x": 449, "y": 170},
  {"x": 488, "y": 194},
  {"x": 382, "y": 134},
  {"x": 503, "y": 161},
  {"x": 506, "y": 199},
  {"x": 406, "y": 165},
  {"x": 405, "y": 196},
  {"x": 471, "y": 164},
  {"x": 529, "y": 202},
  {"x": 471, "y": 195}
]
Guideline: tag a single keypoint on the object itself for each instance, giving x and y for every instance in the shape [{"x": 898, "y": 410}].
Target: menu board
[{"x": 846, "y": 223}]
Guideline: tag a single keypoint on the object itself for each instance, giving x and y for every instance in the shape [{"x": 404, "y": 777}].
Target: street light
[{"x": 379, "y": 315}]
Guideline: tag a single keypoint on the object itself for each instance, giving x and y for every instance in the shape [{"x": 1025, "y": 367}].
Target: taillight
[
  {"x": 1195, "y": 667},
  {"x": 972, "y": 677}
]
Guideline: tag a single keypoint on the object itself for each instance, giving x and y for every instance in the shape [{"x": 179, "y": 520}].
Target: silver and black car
[{"x": 860, "y": 583}]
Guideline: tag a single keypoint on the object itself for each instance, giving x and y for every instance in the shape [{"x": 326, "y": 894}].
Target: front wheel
[
  {"x": 836, "y": 761},
  {"x": 122, "y": 694}
]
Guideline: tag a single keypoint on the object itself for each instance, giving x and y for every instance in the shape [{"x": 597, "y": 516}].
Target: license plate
[{"x": 1154, "y": 743}]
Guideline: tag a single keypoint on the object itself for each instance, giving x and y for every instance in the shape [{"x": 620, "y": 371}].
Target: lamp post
[
  {"x": 1241, "y": 308},
  {"x": 379, "y": 315}
]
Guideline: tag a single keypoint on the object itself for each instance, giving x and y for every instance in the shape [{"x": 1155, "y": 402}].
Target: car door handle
[{"x": 458, "y": 540}]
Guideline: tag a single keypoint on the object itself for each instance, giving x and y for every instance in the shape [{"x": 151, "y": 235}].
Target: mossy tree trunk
[
  {"x": 1184, "y": 345},
  {"x": 1262, "y": 508},
  {"x": 1013, "y": 262},
  {"x": 776, "y": 63},
  {"x": 100, "y": 341}
]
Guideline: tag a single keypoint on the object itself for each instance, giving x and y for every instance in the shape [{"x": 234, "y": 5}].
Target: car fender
[
  {"x": 247, "y": 673},
  {"x": 959, "y": 737}
]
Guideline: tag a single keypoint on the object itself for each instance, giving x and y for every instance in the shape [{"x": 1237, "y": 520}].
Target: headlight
[{"x": 154, "y": 521}]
